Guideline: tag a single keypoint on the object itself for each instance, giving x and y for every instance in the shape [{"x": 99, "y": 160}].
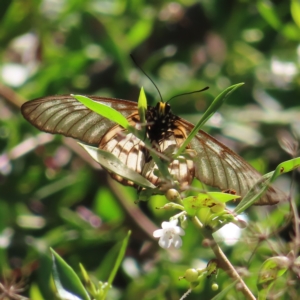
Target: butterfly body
[
  {"x": 160, "y": 122},
  {"x": 164, "y": 137},
  {"x": 211, "y": 162}
]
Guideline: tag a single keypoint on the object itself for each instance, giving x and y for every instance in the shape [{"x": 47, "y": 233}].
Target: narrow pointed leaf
[
  {"x": 118, "y": 262},
  {"x": 262, "y": 185},
  {"x": 194, "y": 203},
  {"x": 68, "y": 284},
  {"x": 142, "y": 106},
  {"x": 113, "y": 164},
  {"x": 219, "y": 100},
  {"x": 271, "y": 269},
  {"x": 103, "y": 110}
]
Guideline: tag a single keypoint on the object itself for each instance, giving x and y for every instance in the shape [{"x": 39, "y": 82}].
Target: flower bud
[
  {"x": 191, "y": 275},
  {"x": 172, "y": 195},
  {"x": 183, "y": 221}
]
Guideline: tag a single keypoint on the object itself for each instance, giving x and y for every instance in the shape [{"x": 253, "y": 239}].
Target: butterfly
[{"x": 210, "y": 161}]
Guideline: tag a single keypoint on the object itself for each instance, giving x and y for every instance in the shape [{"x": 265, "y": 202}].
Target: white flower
[{"x": 170, "y": 233}]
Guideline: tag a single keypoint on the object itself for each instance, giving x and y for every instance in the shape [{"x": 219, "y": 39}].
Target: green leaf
[
  {"x": 139, "y": 32},
  {"x": 88, "y": 282},
  {"x": 194, "y": 203},
  {"x": 119, "y": 258},
  {"x": 107, "y": 206},
  {"x": 291, "y": 31},
  {"x": 113, "y": 164},
  {"x": 219, "y": 100},
  {"x": 262, "y": 185},
  {"x": 222, "y": 197},
  {"x": 34, "y": 292},
  {"x": 103, "y": 110},
  {"x": 254, "y": 193},
  {"x": 118, "y": 262},
  {"x": 68, "y": 284},
  {"x": 295, "y": 11},
  {"x": 271, "y": 269},
  {"x": 142, "y": 106},
  {"x": 285, "y": 167},
  {"x": 267, "y": 11},
  {"x": 4, "y": 7}
]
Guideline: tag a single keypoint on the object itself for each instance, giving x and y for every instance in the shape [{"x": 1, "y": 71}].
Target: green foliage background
[{"x": 50, "y": 194}]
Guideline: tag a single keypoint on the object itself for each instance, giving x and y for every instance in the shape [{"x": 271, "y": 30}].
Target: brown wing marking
[{"x": 218, "y": 166}]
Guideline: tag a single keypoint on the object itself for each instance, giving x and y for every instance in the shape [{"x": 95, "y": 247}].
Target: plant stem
[{"x": 223, "y": 261}]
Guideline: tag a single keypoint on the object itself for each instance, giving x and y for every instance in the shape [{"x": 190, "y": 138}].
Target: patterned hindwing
[
  {"x": 67, "y": 116},
  {"x": 218, "y": 166},
  {"x": 126, "y": 147},
  {"x": 134, "y": 154}
]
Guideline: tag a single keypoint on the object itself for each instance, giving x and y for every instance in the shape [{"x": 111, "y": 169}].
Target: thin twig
[
  {"x": 23, "y": 148},
  {"x": 133, "y": 210},
  {"x": 223, "y": 261},
  {"x": 11, "y": 96}
]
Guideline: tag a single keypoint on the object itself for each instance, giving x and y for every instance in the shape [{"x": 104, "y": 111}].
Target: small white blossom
[{"x": 170, "y": 233}]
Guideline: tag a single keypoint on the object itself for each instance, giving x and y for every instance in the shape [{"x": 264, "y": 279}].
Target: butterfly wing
[
  {"x": 65, "y": 115},
  {"x": 215, "y": 164},
  {"x": 218, "y": 166}
]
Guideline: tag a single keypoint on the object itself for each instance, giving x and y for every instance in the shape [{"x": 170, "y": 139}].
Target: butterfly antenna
[
  {"x": 133, "y": 59},
  {"x": 194, "y": 92}
]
